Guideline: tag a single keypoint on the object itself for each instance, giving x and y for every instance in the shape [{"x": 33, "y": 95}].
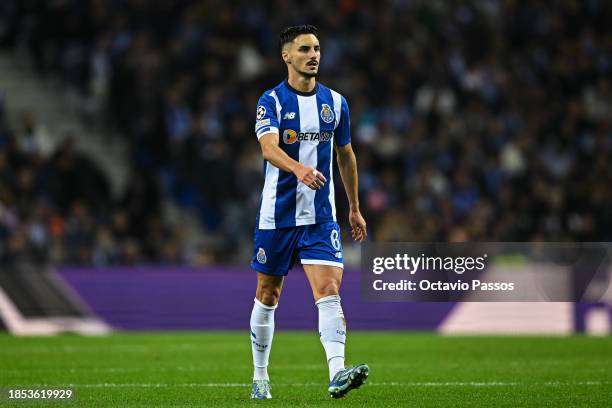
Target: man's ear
[{"x": 285, "y": 56}]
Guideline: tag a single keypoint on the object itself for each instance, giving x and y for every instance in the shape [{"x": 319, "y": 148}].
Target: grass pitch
[{"x": 213, "y": 369}]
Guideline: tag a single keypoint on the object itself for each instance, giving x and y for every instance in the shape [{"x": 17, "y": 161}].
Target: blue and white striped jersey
[{"x": 308, "y": 125}]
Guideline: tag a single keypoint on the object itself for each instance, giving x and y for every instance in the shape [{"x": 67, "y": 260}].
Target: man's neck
[{"x": 301, "y": 83}]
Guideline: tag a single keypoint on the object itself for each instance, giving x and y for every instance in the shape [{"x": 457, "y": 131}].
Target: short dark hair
[{"x": 290, "y": 33}]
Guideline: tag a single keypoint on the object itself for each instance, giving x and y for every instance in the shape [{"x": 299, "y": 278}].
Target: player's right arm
[
  {"x": 272, "y": 152},
  {"x": 266, "y": 128}
]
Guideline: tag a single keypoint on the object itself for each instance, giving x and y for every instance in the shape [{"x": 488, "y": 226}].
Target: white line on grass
[
  {"x": 238, "y": 367},
  {"x": 372, "y": 384},
  {"x": 96, "y": 348}
]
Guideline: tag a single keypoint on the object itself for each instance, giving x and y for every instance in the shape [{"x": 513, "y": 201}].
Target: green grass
[{"x": 213, "y": 369}]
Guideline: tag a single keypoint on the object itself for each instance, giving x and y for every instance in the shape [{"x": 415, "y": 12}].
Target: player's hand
[
  {"x": 358, "y": 226},
  {"x": 310, "y": 176}
]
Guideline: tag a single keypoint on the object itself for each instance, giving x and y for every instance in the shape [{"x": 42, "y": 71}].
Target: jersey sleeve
[
  {"x": 343, "y": 131},
  {"x": 266, "y": 120}
]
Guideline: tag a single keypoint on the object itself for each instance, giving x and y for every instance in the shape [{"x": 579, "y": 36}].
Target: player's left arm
[{"x": 347, "y": 164}]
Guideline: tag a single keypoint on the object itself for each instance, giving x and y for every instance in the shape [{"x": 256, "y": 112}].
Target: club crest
[
  {"x": 327, "y": 114},
  {"x": 261, "y": 256}
]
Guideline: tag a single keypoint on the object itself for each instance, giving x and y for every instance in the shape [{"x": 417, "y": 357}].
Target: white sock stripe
[{"x": 258, "y": 303}]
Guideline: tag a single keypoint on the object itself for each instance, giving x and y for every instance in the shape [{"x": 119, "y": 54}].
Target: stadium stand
[{"x": 481, "y": 120}]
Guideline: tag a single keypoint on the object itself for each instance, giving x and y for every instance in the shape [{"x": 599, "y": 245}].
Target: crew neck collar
[{"x": 292, "y": 89}]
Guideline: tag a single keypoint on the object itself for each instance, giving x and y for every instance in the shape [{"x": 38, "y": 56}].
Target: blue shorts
[{"x": 275, "y": 251}]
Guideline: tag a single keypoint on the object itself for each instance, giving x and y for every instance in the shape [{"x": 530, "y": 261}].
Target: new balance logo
[{"x": 289, "y": 115}]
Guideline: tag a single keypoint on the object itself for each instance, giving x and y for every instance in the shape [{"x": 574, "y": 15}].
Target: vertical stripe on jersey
[
  {"x": 268, "y": 195},
  {"x": 337, "y": 98},
  {"x": 287, "y": 182},
  {"x": 268, "y": 198},
  {"x": 324, "y": 153},
  {"x": 305, "y": 212},
  {"x": 278, "y": 106}
]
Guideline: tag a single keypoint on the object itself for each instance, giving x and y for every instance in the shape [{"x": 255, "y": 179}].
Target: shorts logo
[
  {"x": 327, "y": 115},
  {"x": 289, "y": 115},
  {"x": 261, "y": 256},
  {"x": 261, "y": 112},
  {"x": 339, "y": 255},
  {"x": 289, "y": 136}
]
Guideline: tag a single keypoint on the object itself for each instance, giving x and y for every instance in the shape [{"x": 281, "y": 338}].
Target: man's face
[{"x": 303, "y": 55}]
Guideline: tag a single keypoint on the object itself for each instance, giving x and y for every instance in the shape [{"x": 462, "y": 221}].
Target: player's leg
[
  {"x": 325, "y": 283},
  {"x": 262, "y": 322},
  {"x": 268, "y": 289},
  {"x": 320, "y": 252},
  {"x": 325, "y": 280},
  {"x": 272, "y": 258}
]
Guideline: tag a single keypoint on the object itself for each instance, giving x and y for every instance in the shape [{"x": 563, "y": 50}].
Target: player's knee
[
  {"x": 328, "y": 289},
  {"x": 269, "y": 299},
  {"x": 268, "y": 295}
]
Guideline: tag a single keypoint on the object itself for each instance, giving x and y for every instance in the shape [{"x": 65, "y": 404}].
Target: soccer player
[{"x": 298, "y": 124}]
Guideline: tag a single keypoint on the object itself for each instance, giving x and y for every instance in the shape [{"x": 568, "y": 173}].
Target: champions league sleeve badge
[
  {"x": 261, "y": 112},
  {"x": 327, "y": 114}
]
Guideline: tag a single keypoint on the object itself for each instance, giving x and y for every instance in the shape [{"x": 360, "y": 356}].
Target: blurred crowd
[
  {"x": 484, "y": 120},
  {"x": 56, "y": 206}
]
